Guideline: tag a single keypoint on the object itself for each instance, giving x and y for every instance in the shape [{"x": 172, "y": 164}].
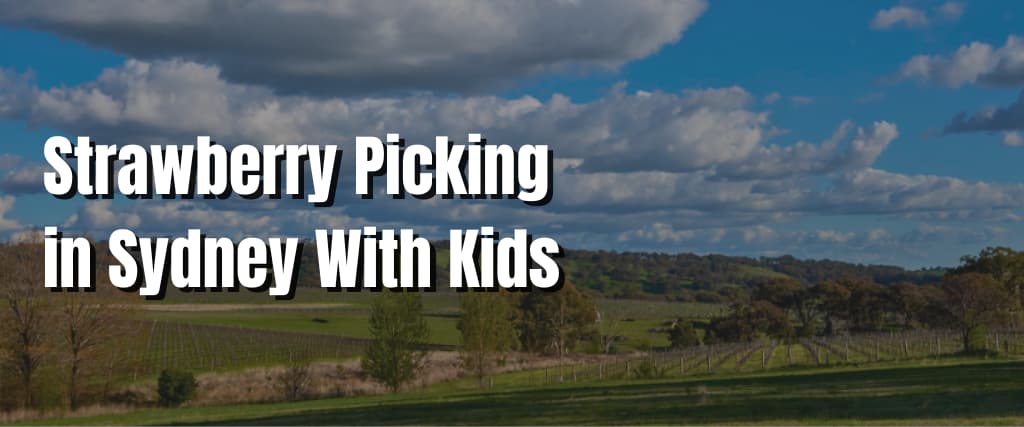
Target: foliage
[
  {"x": 974, "y": 302},
  {"x": 176, "y": 387},
  {"x": 648, "y": 369},
  {"x": 749, "y": 322},
  {"x": 400, "y": 336},
  {"x": 488, "y": 331},
  {"x": 682, "y": 334},
  {"x": 553, "y": 322}
]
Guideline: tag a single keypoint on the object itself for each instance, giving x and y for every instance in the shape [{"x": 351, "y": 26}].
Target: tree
[
  {"x": 834, "y": 301},
  {"x": 400, "y": 336},
  {"x": 682, "y": 334},
  {"x": 609, "y": 330},
  {"x": 867, "y": 304},
  {"x": 90, "y": 324},
  {"x": 488, "y": 332},
  {"x": 792, "y": 296},
  {"x": 552, "y": 322},
  {"x": 24, "y": 322},
  {"x": 749, "y": 322},
  {"x": 1005, "y": 265},
  {"x": 974, "y": 302},
  {"x": 175, "y": 387}
]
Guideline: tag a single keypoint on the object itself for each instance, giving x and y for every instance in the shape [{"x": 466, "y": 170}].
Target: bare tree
[
  {"x": 87, "y": 327},
  {"x": 23, "y": 322},
  {"x": 91, "y": 324}
]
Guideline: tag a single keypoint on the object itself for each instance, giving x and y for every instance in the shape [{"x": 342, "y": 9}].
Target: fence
[{"x": 755, "y": 356}]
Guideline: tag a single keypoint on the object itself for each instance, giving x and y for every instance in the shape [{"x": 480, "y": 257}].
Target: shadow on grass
[{"x": 962, "y": 391}]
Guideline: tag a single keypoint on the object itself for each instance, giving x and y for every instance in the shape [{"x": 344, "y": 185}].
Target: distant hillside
[
  {"x": 684, "y": 276},
  {"x": 688, "y": 276}
]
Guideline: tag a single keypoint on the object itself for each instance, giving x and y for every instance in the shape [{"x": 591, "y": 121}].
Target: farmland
[
  {"x": 214, "y": 332},
  {"x": 952, "y": 391}
]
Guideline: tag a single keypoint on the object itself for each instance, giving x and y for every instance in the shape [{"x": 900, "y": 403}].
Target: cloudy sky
[{"x": 880, "y": 132}]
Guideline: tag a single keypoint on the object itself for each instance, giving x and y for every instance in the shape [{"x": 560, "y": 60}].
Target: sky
[{"x": 870, "y": 132}]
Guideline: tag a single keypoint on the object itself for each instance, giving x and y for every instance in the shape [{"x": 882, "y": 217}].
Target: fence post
[
  {"x": 707, "y": 357},
  {"x": 764, "y": 359},
  {"x": 846, "y": 351},
  {"x": 627, "y": 369},
  {"x": 789, "y": 354}
]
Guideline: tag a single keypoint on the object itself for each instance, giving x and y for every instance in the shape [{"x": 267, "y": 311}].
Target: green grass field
[
  {"x": 951, "y": 391},
  {"x": 348, "y": 313}
]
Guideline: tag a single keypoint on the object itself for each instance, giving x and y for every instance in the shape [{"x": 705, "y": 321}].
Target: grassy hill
[{"x": 684, "y": 277}]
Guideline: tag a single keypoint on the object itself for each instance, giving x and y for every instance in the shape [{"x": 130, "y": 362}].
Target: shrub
[
  {"x": 175, "y": 387},
  {"x": 682, "y": 334},
  {"x": 647, "y": 369}
]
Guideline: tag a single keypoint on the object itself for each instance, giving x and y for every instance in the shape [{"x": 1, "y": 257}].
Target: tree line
[
  {"x": 491, "y": 324},
  {"x": 982, "y": 293}
]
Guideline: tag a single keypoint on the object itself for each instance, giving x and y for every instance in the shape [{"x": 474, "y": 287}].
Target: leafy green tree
[
  {"x": 488, "y": 332},
  {"x": 974, "y": 302},
  {"x": 400, "y": 336},
  {"x": 1006, "y": 266},
  {"x": 553, "y": 322},
  {"x": 791, "y": 295},
  {"x": 867, "y": 304},
  {"x": 833, "y": 302},
  {"x": 749, "y": 322},
  {"x": 175, "y": 387},
  {"x": 682, "y": 334}
]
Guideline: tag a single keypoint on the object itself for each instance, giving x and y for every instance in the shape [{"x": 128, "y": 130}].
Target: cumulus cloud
[
  {"x": 702, "y": 163},
  {"x": 6, "y": 205},
  {"x": 320, "y": 48},
  {"x": 951, "y": 10},
  {"x": 899, "y": 15},
  {"x": 873, "y": 190},
  {"x": 914, "y": 18},
  {"x": 1013, "y": 139},
  {"x": 7, "y": 224},
  {"x": 976, "y": 62},
  {"x": 698, "y": 130},
  {"x": 1008, "y": 118},
  {"x": 18, "y": 176}
]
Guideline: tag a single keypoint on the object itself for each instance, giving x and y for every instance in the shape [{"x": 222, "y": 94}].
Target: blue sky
[{"x": 766, "y": 83}]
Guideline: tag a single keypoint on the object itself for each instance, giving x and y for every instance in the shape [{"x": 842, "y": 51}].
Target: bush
[
  {"x": 647, "y": 369},
  {"x": 175, "y": 387},
  {"x": 682, "y": 334}
]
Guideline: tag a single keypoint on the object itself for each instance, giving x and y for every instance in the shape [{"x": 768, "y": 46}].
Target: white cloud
[
  {"x": 700, "y": 164},
  {"x": 976, "y": 62},
  {"x": 913, "y": 18},
  {"x": 951, "y": 10},
  {"x": 771, "y": 98},
  {"x": 7, "y": 224},
  {"x": 1013, "y": 139},
  {"x": 321, "y": 48},
  {"x": 899, "y": 15},
  {"x": 699, "y": 130}
]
